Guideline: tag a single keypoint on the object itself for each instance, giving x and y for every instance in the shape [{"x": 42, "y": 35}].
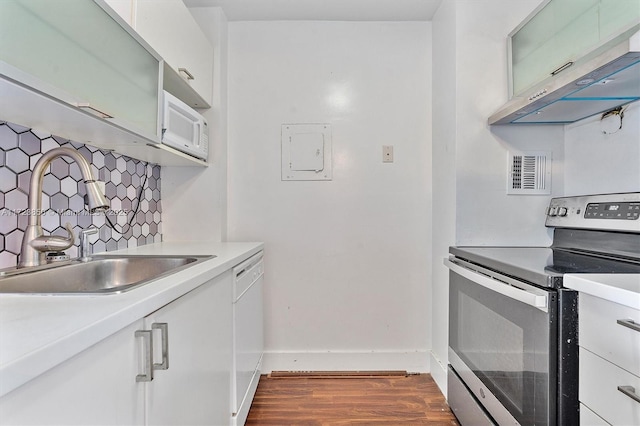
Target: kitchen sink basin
[{"x": 100, "y": 275}]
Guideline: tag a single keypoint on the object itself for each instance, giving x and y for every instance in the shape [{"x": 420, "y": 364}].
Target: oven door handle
[{"x": 524, "y": 296}]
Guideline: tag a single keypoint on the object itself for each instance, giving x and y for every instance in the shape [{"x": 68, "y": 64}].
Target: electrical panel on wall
[
  {"x": 306, "y": 152},
  {"x": 529, "y": 173}
]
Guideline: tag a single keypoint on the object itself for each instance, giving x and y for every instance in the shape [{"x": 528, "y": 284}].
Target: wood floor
[{"x": 390, "y": 399}]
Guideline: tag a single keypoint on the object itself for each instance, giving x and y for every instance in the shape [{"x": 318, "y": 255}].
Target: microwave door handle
[{"x": 531, "y": 299}]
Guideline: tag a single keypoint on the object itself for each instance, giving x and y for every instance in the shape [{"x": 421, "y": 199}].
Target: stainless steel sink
[{"x": 100, "y": 275}]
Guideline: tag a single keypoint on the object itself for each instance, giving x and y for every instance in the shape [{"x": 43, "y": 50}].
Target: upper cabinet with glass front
[
  {"x": 561, "y": 31},
  {"x": 171, "y": 30},
  {"x": 75, "y": 52},
  {"x": 75, "y": 69}
]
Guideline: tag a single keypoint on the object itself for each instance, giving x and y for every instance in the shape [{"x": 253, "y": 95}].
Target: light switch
[{"x": 387, "y": 153}]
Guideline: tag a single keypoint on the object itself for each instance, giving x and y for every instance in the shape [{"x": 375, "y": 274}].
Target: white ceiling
[{"x": 324, "y": 10}]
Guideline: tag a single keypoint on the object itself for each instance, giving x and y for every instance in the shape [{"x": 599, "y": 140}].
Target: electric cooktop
[{"x": 597, "y": 234}]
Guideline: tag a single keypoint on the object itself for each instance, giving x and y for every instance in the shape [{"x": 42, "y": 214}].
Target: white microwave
[{"x": 183, "y": 128}]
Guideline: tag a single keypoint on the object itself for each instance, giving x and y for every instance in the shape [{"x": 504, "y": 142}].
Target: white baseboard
[
  {"x": 438, "y": 372},
  {"x": 413, "y": 362}
]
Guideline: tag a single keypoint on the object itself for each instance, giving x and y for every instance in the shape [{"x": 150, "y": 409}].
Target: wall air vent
[{"x": 529, "y": 173}]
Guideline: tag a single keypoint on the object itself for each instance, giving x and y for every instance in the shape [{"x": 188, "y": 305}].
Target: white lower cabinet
[
  {"x": 194, "y": 389},
  {"x": 96, "y": 387},
  {"x": 600, "y": 383},
  {"x": 99, "y": 386},
  {"x": 609, "y": 384},
  {"x": 588, "y": 417}
]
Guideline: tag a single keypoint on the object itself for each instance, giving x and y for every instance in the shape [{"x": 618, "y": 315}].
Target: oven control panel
[
  {"x": 608, "y": 212},
  {"x": 616, "y": 211}
]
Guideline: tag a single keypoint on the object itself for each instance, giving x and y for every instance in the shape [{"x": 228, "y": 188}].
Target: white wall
[
  {"x": 194, "y": 199},
  {"x": 485, "y": 215},
  {"x": 469, "y": 157},
  {"x": 597, "y": 163},
  {"x": 347, "y": 261},
  {"x": 445, "y": 129}
]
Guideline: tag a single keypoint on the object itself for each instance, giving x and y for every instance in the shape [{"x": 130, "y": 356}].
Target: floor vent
[
  {"x": 529, "y": 173},
  {"x": 336, "y": 374}
]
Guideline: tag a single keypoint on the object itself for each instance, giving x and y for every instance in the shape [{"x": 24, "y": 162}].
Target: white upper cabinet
[
  {"x": 78, "y": 54},
  {"x": 167, "y": 25},
  {"x": 562, "y": 31},
  {"x": 169, "y": 28},
  {"x": 76, "y": 70}
]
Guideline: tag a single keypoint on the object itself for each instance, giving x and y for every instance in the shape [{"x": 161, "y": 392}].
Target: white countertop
[
  {"x": 623, "y": 289},
  {"x": 38, "y": 332}
]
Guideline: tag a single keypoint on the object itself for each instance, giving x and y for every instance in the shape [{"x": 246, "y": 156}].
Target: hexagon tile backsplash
[{"x": 132, "y": 187}]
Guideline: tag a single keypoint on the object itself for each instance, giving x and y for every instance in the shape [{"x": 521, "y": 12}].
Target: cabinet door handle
[
  {"x": 629, "y": 324},
  {"x": 630, "y": 391},
  {"x": 562, "y": 68},
  {"x": 187, "y": 73},
  {"x": 95, "y": 111},
  {"x": 164, "y": 330},
  {"x": 147, "y": 337}
]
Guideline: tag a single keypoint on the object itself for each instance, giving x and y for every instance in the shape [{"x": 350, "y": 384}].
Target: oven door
[{"x": 502, "y": 343}]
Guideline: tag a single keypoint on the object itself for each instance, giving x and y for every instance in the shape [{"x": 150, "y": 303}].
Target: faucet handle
[
  {"x": 89, "y": 231},
  {"x": 85, "y": 249}
]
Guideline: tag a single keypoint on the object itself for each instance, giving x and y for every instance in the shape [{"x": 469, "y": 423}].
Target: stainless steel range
[{"x": 513, "y": 327}]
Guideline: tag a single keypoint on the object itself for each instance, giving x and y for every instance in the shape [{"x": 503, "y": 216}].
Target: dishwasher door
[{"x": 248, "y": 337}]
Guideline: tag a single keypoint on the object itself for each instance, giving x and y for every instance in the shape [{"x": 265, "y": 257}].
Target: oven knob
[
  {"x": 562, "y": 211},
  {"x": 553, "y": 211}
]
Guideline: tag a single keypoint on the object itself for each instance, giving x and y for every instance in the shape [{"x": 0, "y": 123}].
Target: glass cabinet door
[
  {"x": 75, "y": 48},
  {"x": 617, "y": 15},
  {"x": 563, "y": 31}
]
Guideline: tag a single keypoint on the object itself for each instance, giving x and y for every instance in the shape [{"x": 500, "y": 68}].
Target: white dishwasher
[{"x": 248, "y": 337}]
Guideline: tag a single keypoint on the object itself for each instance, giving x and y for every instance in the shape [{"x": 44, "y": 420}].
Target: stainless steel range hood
[{"x": 603, "y": 80}]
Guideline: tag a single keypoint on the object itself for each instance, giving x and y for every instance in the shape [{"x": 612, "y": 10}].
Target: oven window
[
  {"x": 498, "y": 353},
  {"x": 507, "y": 344}
]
